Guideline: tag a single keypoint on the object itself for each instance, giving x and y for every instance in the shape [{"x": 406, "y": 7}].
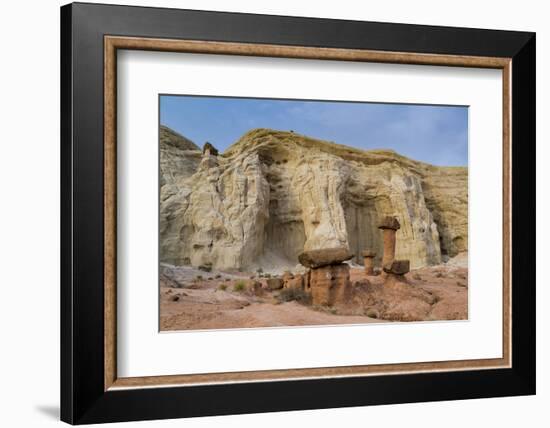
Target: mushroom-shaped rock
[
  {"x": 389, "y": 225},
  {"x": 389, "y": 222},
  {"x": 397, "y": 267},
  {"x": 324, "y": 257},
  {"x": 330, "y": 285},
  {"x": 210, "y": 149},
  {"x": 368, "y": 257}
]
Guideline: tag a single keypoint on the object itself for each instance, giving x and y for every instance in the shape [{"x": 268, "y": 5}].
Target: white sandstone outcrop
[{"x": 274, "y": 194}]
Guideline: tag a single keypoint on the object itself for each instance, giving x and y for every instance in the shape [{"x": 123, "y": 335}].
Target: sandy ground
[{"x": 194, "y": 299}]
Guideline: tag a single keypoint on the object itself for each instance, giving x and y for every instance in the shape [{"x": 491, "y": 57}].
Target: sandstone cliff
[{"x": 274, "y": 194}]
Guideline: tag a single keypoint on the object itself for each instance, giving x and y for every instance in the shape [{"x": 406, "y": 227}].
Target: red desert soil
[{"x": 191, "y": 299}]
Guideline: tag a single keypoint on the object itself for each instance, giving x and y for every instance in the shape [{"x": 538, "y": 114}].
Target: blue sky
[{"x": 433, "y": 134}]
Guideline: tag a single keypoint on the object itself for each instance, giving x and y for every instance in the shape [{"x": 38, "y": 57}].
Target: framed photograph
[{"x": 267, "y": 213}]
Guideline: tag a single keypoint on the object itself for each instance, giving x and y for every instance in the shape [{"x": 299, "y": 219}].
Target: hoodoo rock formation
[
  {"x": 368, "y": 261},
  {"x": 395, "y": 272},
  {"x": 330, "y": 285},
  {"x": 274, "y": 195},
  {"x": 329, "y": 278},
  {"x": 389, "y": 225}
]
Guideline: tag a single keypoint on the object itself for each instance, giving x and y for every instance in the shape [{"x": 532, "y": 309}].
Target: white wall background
[{"x": 29, "y": 213}]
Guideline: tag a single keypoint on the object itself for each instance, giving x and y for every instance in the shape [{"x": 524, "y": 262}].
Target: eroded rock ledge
[{"x": 274, "y": 194}]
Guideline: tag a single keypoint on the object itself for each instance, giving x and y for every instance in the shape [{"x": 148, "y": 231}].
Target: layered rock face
[
  {"x": 273, "y": 195},
  {"x": 446, "y": 194},
  {"x": 179, "y": 159}
]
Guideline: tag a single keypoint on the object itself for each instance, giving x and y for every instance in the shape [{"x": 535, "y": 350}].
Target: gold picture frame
[{"x": 114, "y": 43}]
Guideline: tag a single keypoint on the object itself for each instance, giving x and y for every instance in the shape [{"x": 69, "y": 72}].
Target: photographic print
[
  {"x": 318, "y": 194},
  {"x": 280, "y": 213}
]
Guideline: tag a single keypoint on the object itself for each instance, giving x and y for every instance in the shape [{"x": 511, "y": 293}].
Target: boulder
[
  {"x": 274, "y": 283},
  {"x": 297, "y": 281},
  {"x": 397, "y": 267},
  {"x": 253, "y": 286},
  {"x": 325, "y": 257}
]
